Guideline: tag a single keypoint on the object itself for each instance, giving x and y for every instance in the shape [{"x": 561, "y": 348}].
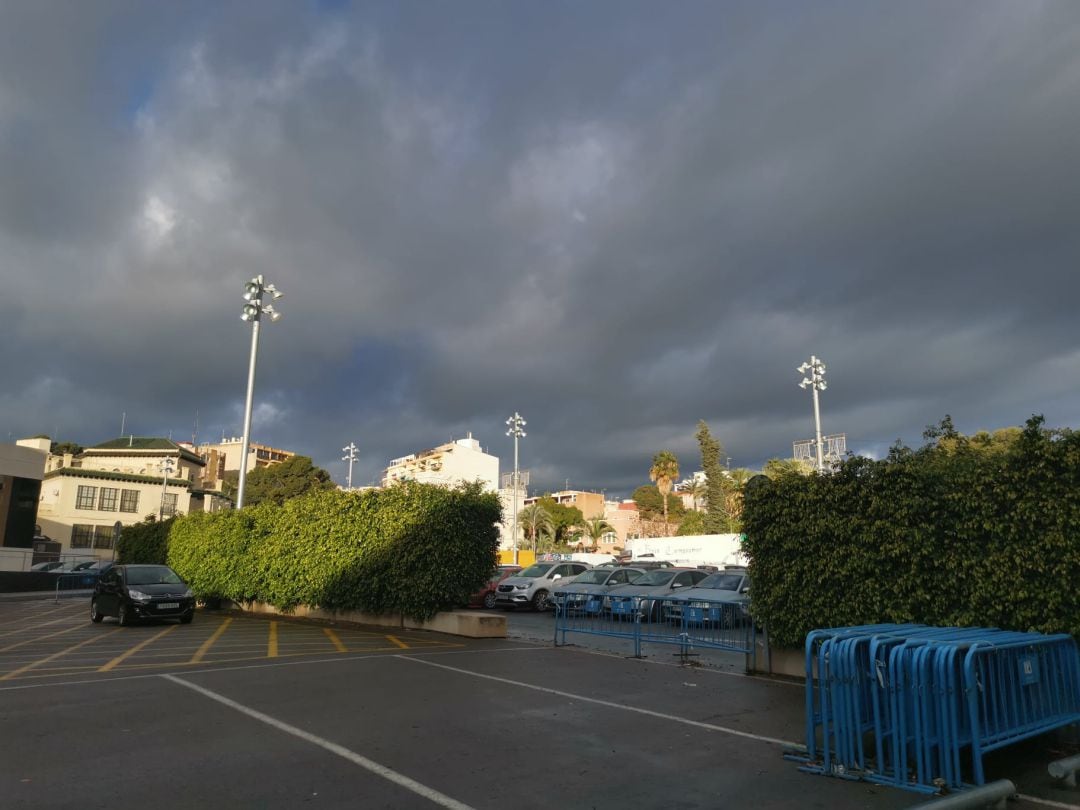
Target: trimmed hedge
[
  {"x": 413, "y": 549},
  {"x": 146, "y": 542},
  {"x": 959, "y": 532}
]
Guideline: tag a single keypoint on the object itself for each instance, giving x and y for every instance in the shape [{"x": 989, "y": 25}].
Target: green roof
[
  {"x": 147, "y": 443},
  {"x": 109, "y": 475}
]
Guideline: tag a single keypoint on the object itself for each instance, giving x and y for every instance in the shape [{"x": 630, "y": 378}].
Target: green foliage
[
  {"x": 565, "y": 520},
  {"x": 946, "y": 534},
  {"x": 279, "y": 482},
  {"x": 537, "y": 525},
  {"x": 777, "y": 467},
  {"x": 146, "y": 542},
  {"x": 412, "y": 548},
  {"x": 717, "y": 520},
  {"x": 664, "y": 472},
  {"x": 692, "y": 523},
  {"x": 60, "y": 448},
  {"x": 595, "y": 530},
  {"x": 651, "y": 506}
]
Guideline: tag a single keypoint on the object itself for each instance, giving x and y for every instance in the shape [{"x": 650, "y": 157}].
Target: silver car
[
  {"x": 654, "y": 586},
  {"x": 532, "y": 586},
  {"x": 585, "y": 591},
  {"x": 731, "y": 585}
]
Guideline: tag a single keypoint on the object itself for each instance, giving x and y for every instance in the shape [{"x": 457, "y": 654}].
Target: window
[
  {"x": 81, "y": 534},
  {"x": 129, "y": 500},
  {"x": 168, "y": 504},
  {"x": 86, "y": 497},
  {"x": 107, "y": 499},
  {"x": 103, "y": 537}
]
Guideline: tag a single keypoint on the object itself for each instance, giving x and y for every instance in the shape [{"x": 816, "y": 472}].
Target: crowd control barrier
[
  {"x": 74, "y": 581},
  {"x": 688, "y": 624},
  {"x": 918, "y": 707}
]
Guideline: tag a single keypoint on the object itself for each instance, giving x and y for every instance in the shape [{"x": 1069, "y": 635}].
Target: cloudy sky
[{"x": 617, "y": 218}]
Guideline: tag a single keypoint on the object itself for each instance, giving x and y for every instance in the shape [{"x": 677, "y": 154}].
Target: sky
[{"x": 616, "y": 218}]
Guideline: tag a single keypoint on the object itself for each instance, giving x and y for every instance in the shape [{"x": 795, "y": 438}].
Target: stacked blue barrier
[{"x": 918, "y": 707}]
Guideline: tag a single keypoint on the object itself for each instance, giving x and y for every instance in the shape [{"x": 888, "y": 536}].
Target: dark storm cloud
[{"x": 613, "y": 218}]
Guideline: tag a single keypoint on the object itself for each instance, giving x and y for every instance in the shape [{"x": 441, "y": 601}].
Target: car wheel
[
  {"x": 187, "y": 617},
  {"x": 124, "y": 616},
  {"x": 489, "y": 600},
  {"x": 95, "y": 614},
  {"x": 540, "y": 601}
]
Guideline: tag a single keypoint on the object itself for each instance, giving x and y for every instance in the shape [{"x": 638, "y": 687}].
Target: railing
[
  {"x": 918, "y": 707},
  {"x": 71, "y": 581},
  {"x": 688, "y": 624}
]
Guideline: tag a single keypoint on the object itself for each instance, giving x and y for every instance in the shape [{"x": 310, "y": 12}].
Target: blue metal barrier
[
  {"x": 688, "y": 624},
  {"x": 918, "y": 707},
  {"x": 74, "y": 581}
]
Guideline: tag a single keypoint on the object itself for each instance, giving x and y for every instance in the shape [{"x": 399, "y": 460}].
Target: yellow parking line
[
  {"x": 125, "y": 655},
  {"x": 21, "y": 670},
  {"x": 271, "y": 647},
  {"x": 18, "y": 644},
  {"x": 398, "y": 642},
  {"x": 206, "y": 645},
  {"x": 35, "y": 626},
  {"x": 330, "y": 634}
]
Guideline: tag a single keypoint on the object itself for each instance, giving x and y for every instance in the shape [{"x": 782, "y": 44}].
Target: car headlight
[
  {"x": 524, "y": 587},
  {"x": 187, "y": 594},
  {"x": 139, "y": 596}
]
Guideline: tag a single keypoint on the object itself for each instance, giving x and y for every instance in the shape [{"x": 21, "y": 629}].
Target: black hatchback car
[{"x": 131, "y": 592}]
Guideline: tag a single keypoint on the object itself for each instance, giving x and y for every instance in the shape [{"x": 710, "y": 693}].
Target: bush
[
  {"x": 960, "y": 532},
  {"x": 145, "y": 542},
  {"x": 413, "y": 548}
]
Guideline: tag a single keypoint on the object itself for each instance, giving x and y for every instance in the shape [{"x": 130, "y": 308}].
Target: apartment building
[
  {"x": 224, "y": 456},
  {"x": 22, "y": 466},
  {"x": 450, "y": 464},
  {"x": 591, "y": 504},
  {"x": 120, "y": 481},
  {"x": 624, "y": 518}
]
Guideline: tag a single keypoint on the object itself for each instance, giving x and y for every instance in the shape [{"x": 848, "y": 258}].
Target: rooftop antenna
[
  {"x": 123, "y": 419},
  {"x": 195, "y": 430},
  {"x": 131, "y": 440}
]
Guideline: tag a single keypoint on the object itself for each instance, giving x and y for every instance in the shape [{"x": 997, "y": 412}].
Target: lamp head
[{"x": 250, "y": 312}]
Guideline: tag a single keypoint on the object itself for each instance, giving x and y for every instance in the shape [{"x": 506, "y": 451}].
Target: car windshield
[
  {"x": 658, "y": 577},
  {"x": 598, "y": 576},
  {"x": 537, "y": 570},
  {"x": 152, "y": 575},
  {"x": 721, "y": 582}
]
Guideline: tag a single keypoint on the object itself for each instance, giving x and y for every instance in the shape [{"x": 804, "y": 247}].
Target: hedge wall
[
  {"x": 146, "y": 542},
  {"x": 962, "y": 531},
  {"x": 413, "y": 548}
]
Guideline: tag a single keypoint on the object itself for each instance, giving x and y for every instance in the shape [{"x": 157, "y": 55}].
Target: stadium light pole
[
  {"x": 166, "y": 468},
  {"x": 816, "y": 381},
  {"x": 350, "y": 456},
  {"x": 253, "y": 311},
  {"x": 516, "y": 423}
]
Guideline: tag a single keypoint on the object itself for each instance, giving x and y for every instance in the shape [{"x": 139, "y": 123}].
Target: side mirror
[
  {"x": 676, "y": 585},
  {"x": 744, "y": 589},
  {"x": 557, "y": 576}
]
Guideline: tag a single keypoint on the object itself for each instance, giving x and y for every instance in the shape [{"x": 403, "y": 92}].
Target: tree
[
  {"x": 536, "y": 523},
  {"x": 60, "y": 448},
  {"x": 699, "y": 491},
  {"x": 595, "y": 530},
  {"x": 692, "y": 523},
  {"x": 716, "y": 518},
  {"x": 664, "y": 472},
  {"x": 651, "y": 510},
  {"x": 290, "y": 478},
  {"x": 779, "y": 467},
  {"x": 564, "y": 519}
]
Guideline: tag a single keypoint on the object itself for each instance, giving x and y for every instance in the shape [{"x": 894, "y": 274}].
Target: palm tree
[
  {"x": 536, "y": 522},
  {"x": 596, "y": 528},
  {"x": 664, "y": 473},
  {"x": 699, "y": 491}
]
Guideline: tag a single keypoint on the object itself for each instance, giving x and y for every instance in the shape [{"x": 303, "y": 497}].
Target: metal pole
[
  {"x": 515, "y": 497},
  {"x": 247, "y": 413},
  {"x": 817, "y": 425},
  {"x": 166, "y": 467}
]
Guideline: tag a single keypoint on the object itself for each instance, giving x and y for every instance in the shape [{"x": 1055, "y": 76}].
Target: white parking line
[
  {"x": 1047, "y": 802},
  {"x": 610, "y": 704},
  {"x": 419, "y": 789}
]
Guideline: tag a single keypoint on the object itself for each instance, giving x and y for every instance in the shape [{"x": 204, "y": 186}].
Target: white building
[{"x": 450, "y": 464}]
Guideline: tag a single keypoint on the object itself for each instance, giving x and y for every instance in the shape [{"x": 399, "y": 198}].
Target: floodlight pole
[
  {"x": 816, "y": 381},
  {"x": 166, "y": 468},
  {"x": 350, "y": 456},
  {"x": 253, "y": 311},
  {"x": 516, "y": 424}
]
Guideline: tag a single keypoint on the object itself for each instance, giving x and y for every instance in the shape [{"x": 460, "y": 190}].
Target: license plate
[{"x": 168, "y": 605}]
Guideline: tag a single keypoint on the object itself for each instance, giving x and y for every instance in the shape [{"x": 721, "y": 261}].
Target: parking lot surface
[{"x": 242, "y": 712}]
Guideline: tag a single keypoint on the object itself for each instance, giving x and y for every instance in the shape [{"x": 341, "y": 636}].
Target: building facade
[
  {"x": 457, "y": 462},
  {"x": 224, "y": 456},
  {"x": 591, "y": 504},
  {"x": 121, "y": 481},
  {"x": 22, "y": 466}
]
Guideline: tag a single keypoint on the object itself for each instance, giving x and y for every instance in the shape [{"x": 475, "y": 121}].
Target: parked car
[
  {"x": 46, "y": 566},
  {"x": 653, "y": 586},
  {"x": 99, "y": 567},
  {"x": 730, "y": 585},
  {"x": 131, "y": 592},
  {"x": 587, "y": 589},
  {"x": 532, "y": 586},
  {"x": 485, "y": 597}
]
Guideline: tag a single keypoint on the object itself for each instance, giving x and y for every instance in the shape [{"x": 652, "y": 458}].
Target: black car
[{"x": 131, "y": 592}]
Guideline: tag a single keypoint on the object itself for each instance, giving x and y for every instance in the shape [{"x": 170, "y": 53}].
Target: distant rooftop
[{"x": 146, "y": 443}]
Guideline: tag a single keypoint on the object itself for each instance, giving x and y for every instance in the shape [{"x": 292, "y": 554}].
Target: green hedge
[
  {"x": 962, "y": 531},
  {"x": 412, "y": 548},
  {"x": 146, "y": 542}
]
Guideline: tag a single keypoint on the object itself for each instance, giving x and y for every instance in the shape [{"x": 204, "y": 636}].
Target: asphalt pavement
[{"x": 244, "y": 712}]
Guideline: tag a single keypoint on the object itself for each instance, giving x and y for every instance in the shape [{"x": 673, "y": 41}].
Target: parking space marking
[
  {"x": 1046, "y": 802},
  {"x": 271, "y": 647},
  {"x": 398, "y": 642},
  {"x": 419, "y": 789},
  {"x": 35, "y": 626},
  {"x": 330, "y": 634},
  {"x": 16, "y": 672},
  {"x": 611, "y": 704},
  {"x": 206, "y": 645},
  {"x": 144, "y": 643},
  {"x": 23, "y": 643}
]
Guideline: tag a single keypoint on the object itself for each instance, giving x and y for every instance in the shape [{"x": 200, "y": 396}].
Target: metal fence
[
  {"x": 917, "y": 707},
  {"x": 688, "y": 624},
  {"x": 72, "y": 581}
]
